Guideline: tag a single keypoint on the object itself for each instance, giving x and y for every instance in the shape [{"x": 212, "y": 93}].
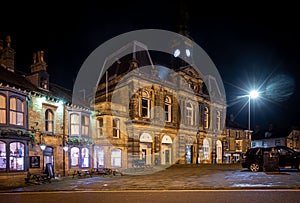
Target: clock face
[
  {"x": 176, "y": 53},
  {"x": 188, "y": 52}
]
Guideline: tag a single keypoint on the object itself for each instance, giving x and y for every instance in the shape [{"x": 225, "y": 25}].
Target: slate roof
[{"x": 18, "y": 80}]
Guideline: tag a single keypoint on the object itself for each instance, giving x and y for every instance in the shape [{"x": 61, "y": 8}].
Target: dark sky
[{"x": 259, "y": 51}]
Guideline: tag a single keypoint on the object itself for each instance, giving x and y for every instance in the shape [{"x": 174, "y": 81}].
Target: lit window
[
  {"x": 145, "y": 104},
  {"x": 3, "y": 161},
  {"x": 189, "y": 114},
  {"x": 168, "y": 109},
  {"x": 116, "y": 158},
  {"x": 49, "y": 120},
  {"x": 238, "y": 145},
  {"x": 100, "y": 127},
  {"x": 2, "y": 109},
  {"x": 116, "y": 128},
  {"x": 205, "y": 117},
  {"x": 16, "y": 157},
  {"x": 74, "y": 124},
  {"x": 85, "y": 123},
  {"x": 98, "y": 157},
  {"x": 16, "y": 113},
  {"x": 85, "y": 159},
  {"x": 74, "y": 156},
  {"x": 205, "y": 149}
]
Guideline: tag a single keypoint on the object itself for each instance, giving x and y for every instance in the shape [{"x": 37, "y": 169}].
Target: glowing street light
[{"x": 252, "y": 95}]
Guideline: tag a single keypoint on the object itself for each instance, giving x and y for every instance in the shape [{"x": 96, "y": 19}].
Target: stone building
[
  {"x": 293, "y": 139},
  {"x": 236, "y": 141},
  {"x": 144, "y": 114},
  {"x": 154, "y": 115},
  {"x": 38, "y": 124}
]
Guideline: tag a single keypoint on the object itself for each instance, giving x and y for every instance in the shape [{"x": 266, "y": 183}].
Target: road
[{"x": 207, "y": 196}]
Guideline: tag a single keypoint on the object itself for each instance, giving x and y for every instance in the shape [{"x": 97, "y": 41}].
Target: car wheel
[{"x": 254, "y": 167}]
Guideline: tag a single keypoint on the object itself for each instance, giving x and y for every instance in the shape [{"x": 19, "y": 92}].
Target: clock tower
[{"x": 182, "y": 46}]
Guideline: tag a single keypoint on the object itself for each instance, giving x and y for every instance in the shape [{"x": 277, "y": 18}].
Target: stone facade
[
  {"x": 140, "y": 118},
  {"x": 162, "y": 121}
]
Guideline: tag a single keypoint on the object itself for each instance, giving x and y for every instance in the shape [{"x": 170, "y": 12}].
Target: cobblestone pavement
[{"x": 177, "y": 177}]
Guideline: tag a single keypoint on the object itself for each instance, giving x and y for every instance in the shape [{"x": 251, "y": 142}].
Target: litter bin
[{"x": 271, "y": 161}]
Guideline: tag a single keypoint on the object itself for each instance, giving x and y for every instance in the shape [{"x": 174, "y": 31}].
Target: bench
[
  {"x": 107, "y": 171},
  {"x": 103, "y": 171},
  {"x": 81, "y": 173},
  {"x": 37, "y": 178}
]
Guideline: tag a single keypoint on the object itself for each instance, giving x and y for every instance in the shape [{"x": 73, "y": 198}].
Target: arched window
[
  {"x": 85, "y": 158},
  {"x": 98, "y": 157},
  {"x": 189, "y": 114},
  {"x": 218, "y": 120},
  {"x": 168, "y": 109},
  {"x": 16, "y": 111},
  {"x": 74, "y": 124},
  {"x": 145, "y": 104},
  {"x": 74, "y": 156},
  {"x": 49, "y": 121},
  {"x": 205, "y": 149},
  {"x": 85, "y": 123},
  {"x": 100, "y": 126},
  {"x": 206, "y": 117},
  {"x": 16, "y": 157},
  {"x": 3, "y": 161},
  {"x": 116, "y": 158},
  {"x": 2, "y": 109},
  {"x": 219, "y": 150}
]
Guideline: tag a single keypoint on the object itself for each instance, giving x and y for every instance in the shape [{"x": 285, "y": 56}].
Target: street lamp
[{"x": 252, "y": 95}]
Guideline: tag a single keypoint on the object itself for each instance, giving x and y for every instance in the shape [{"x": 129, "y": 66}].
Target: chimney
[
  {"x": 7, "y": 55},
  {"x": 39, "y": 75},
  {"x": 38, "y": 62}
]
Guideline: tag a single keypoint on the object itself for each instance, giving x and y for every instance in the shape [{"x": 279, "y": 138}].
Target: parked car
[{"x": 253, "y": 159}]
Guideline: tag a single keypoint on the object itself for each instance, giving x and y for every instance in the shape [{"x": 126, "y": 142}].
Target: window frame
[
  {"x": 13, "y": 156},
  {"x": 85, "y": 125},
  {"x": 168, "y": 109},
  {"x": 15, "y": 113},
  {"x": 189, "y": 113},
  {"x": 146, "y": 98},
  {"x": 100, "y": 127},
  {"x": 206, "y": 117},
  {"x": 113, "y": 158},
  {"x": 72, "y": 124},
  {"x": 3, "y": 109},
  {"x": 116, "y": 128},
  {"x": 48, "y": 121}
]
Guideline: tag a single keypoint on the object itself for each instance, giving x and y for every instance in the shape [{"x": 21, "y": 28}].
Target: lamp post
[{"x": 252, "y": 95}]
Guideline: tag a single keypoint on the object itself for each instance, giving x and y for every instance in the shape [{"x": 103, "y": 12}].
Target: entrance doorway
[
  {"x": 188, "y": 154},
  {"x": 48, "y": 157}
]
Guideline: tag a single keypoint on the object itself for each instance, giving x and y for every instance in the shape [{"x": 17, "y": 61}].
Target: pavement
[{"x": 176, "y": 177}]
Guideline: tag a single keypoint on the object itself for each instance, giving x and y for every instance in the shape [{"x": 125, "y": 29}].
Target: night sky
[{"x": 252, "y": 51}]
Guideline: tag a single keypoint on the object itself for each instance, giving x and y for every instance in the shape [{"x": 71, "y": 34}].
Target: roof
[{"x": 18, "y": 80}]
